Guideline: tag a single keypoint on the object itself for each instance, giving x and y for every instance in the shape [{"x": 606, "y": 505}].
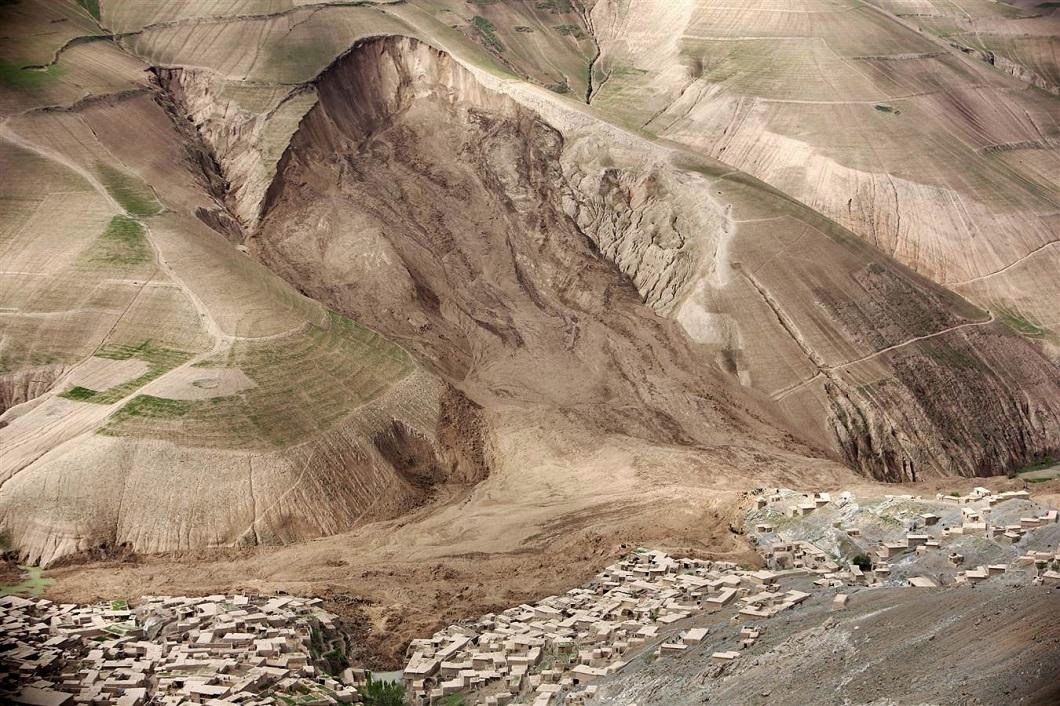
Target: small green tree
[
  {"x": 382, "y": 693},
  {"x": 453, "y": 700},
  {"x": 862, "y": 561}
]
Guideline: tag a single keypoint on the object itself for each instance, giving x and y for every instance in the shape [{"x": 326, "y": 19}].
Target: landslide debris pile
[
  {"x": 485, "y": 238},
  {"x": 256, "y": 298}
]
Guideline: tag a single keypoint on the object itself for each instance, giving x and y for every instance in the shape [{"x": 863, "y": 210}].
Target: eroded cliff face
[
  {"x": 947, "y": 410},
  {"x": 1012, "y": 67},
  {"x": 27, "y": 384},
  {"x": 417, "y": 200},
  {"x": 640, "y": 221},
  {"x": 549, "y": 269},
  {"x": 247, "y": 129},
  {"x": 975, "y": 397}
]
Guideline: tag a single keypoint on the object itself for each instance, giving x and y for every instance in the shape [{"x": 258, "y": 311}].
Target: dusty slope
[
  {"x": 618, "y": 314},
  {"x": 110, "y": 261},
  {"x": 330, "y": 426},
  {"x": 1021, "y": 38},
  {"x": 666, "y": 275},
  {"x": 991, "y": 645},
  {"x": 933, "y": 156}
]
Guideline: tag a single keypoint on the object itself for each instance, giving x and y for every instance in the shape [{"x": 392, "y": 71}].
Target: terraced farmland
[{"x": 304, "y": 384}]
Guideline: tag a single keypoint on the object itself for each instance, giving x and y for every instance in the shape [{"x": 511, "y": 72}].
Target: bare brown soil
[
  {"x": 390, "y": 601},
  {"x": 9, "y": 572},
  {"x": 613, "y": 337}
]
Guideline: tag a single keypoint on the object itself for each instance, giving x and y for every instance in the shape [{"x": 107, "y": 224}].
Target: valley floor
[{"x": 393, "y": 585}]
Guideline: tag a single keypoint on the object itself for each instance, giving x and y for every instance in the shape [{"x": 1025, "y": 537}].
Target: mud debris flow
[{"x": 435, "y": 308}]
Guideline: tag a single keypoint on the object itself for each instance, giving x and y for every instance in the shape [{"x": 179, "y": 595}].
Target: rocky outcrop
[
  {"x": 247, "y": 129},
  {"x": 641, "y": 222},
  {"x": 27, "y": 384}
]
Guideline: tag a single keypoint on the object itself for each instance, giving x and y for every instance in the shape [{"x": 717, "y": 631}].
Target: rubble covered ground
[{"x": 944, "y": 599}]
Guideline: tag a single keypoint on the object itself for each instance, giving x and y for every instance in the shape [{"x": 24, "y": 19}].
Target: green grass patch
[
  {"x": 942, "y": 30},
  {"x": 523, "y": 29},
  {"x": 623, "y": 71},
  {"x": 305, "y": 383},
  {"x": 884, "y": 108},
  {"x": 130, "y": 191},
  {"x": 948, "y": 356},
  {"x": 14, "y": 76},
  {"x": 153, "y": 408},
  {"x": 91, "y": 6},
  {"x": 1040, "y": 471},
  {"x": 487, "y": 32},
  {"x": 453, "y": 700},
  {"x": 554, "y": 6},
  {"x": 122, "y": 244},
  {"x": 1020, "y": 324},
  {"x": 158, "y": 359},
  {"x": 380, "y": 693},
  {"x": 79, "y": 393},
  {"x": 119, "y": 604},
  {"x": 34, "y": 359},
  {"x": 31, "y": 586},
  {"x": 570, "y": 31},
  {"x": 1038, "y": 465},
  {"x": 561, "y": 87}
]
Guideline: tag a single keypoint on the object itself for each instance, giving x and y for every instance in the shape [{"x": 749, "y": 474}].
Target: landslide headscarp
[
  {"x": 515, "y": 257},
  {"x": 434, "y": 209}
]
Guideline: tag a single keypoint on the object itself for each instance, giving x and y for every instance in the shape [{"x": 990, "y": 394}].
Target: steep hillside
[
  {"x": 161, "y": 390},
  {"x": 1021, "y": 38},
  {"x": 454, "y": 219},
  {"x": 389, "y": 266},
  {"x": 931, "y": 155}
]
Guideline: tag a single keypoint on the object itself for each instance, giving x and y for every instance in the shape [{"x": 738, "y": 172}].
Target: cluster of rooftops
[
  {"x": 551, "y": 652},
  {"x": 923, "y": 533},
  {"x": 223, "y": 650},
  {"x": 240, "y": 650}
]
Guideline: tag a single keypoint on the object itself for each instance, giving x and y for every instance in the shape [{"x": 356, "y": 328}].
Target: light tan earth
[
  {"x": 1020, "y": 37},
  {"x": 443, "y": 311},
  {"x": 102, "y": 373},
  {"x": 198, "y": 384}
]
